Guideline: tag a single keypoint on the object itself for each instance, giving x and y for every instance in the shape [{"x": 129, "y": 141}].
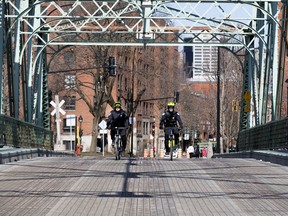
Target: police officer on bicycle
[
  {"x": 118, "y": 118},
  {"x": 171, "y": 119}
]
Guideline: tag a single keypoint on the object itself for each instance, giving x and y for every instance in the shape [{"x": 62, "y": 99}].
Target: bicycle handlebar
[
  {"x": 171, "y": 127},
  {"x": 119, "y": 128}
]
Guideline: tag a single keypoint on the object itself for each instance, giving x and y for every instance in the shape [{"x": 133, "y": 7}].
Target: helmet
[
  {"x": 171, "y": 104},
  {"x": 117, "y": 104}
]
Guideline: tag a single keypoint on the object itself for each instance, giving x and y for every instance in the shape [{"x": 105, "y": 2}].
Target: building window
[
  {"x": 139, "y": 131},
  {"x": 69, "y": 58},
  {"x": 145, "y": 128},
  {"x": 126, "y": 84},
  {"x": 145, "y": 109},
  {"x": 139, "y": 108},
  {"x": 70, "y": 102},
  {"x": 70, "y": 81},
  {"x": 151, "y": 109}
]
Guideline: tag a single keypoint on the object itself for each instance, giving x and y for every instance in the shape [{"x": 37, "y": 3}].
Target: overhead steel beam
[{"x": 160, "y": 23}]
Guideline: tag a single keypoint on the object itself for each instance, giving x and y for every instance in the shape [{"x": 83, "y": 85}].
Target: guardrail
[
  {"x": 271, "y": 136},
  {"x": 20, "y": 134}
]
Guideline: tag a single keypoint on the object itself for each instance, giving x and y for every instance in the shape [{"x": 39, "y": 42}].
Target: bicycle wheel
[
  {"x": 171, "y": 149},
  {"x": 116, "y": 148},
  {"x": 120, "y": 148}
]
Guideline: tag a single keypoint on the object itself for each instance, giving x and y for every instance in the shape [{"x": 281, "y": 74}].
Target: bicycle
[
  {"x": 171, "y": 141},
  {"x": 118, "y": 142}
]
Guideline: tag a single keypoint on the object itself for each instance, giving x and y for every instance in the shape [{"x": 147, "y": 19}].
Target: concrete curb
[
  {"x": 11, "y": 155},
  {"x": 269, "y": 156}
]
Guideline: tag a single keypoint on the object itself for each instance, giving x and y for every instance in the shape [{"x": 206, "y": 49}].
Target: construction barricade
[
  {"x": 161, "y": 153},
  {"x": 187, "y": 154},
  {"x": 151, "y": 153},
  {"x": 179, "y": 153},
  {"x": 145, "y": 153}
]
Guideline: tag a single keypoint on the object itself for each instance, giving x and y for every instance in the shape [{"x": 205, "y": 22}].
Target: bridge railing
[
  {"x": 271, "y": 136},
  {"x": 19, "y": 134}
]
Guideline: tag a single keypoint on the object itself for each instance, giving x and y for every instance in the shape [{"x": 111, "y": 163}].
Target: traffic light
[
  {"x": 81, "y": 132},
  {"x": 153, "y": 129},
  {"x": 50, "y": 97},
  {"x": 112, "y": 66},
  {"x": 176, "y": 96}
]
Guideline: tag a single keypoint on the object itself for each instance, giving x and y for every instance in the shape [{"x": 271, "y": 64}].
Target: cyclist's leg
[
  {"x": 113, "y": 133},
  {"x": 167, "y": 148},
  {"x": 176, "y": 135},
  {"x": 124, "y": 142}
]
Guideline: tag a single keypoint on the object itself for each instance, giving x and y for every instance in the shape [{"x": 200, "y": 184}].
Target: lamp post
[
  {"x": 286, "y": 97},
  {"x": 153, "y": 134},
  {"x": 218, "y": 103},
  {"x": 80, "y": 119}
]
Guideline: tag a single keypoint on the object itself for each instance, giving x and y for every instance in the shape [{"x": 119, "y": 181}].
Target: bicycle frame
[
  {"x": 118, "y": 142},
  {"x": 171, "y": 141}
]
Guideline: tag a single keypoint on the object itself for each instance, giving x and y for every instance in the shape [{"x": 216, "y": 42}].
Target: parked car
[{"x": 232, "y": 149}]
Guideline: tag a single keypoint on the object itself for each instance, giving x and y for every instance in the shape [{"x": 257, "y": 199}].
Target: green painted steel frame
[
  {"x": 20, "y": 134},
  {"x": 138, "y": 22}
]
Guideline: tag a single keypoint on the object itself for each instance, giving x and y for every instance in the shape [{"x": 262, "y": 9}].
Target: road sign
[
  {"x": 103, "y": 124},
  {"x": 247, "y": 96},
  {"x": 57, "y": 111},
  {"x": 186, "y": 137},
  {"x": 247, "y": 108},
  {"x": 103, "y": 131},
  {"x": 57, "y": 106},
  {"x": 70, "y": 120}
]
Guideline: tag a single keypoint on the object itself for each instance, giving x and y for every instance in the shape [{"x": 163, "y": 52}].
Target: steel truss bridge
[{"x": 256, "y": 28}]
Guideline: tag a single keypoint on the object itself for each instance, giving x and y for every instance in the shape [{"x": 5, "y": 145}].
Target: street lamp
[
  {"x": 287, "y": 96},
  {"x": 153, "y": 134},
  {"x": 80, "y": 119}
]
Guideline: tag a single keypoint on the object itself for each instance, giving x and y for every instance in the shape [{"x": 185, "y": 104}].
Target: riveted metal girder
[
  {"x": 2, "y": 9},
  {"x": 157, "y": 23}
]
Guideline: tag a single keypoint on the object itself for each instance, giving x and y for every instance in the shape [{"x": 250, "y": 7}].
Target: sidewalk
[{"x": 104, "y": 186}]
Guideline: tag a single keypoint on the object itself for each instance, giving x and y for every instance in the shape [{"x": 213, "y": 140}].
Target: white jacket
[{"x": 191, "y": 149}]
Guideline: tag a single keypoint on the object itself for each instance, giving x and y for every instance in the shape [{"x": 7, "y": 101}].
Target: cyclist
[
  {"x": 169, "y": 119},
  {"x": 118, "y": 118}
]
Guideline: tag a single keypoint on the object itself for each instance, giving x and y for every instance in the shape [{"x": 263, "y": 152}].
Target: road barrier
[
  {"x": 187, "y": 154},
  {"x": 145, "y": 153},
  {"x": 151, "y": 153},
  {"x": 161, "y": 153},
  {"x": 180, "y": 153}
]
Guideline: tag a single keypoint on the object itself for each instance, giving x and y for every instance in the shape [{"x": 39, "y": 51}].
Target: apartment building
[{"x": 200, "y": 66}]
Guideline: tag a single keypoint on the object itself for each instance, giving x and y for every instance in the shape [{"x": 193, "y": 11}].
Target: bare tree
[{"x": 231, "y": 82}]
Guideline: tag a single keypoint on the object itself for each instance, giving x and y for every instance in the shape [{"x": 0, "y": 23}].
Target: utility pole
[
  {"x": 132, "y": 104},
  {"x": 57, "y": 105}
]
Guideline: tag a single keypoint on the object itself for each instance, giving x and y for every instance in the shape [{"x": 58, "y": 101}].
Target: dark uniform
[
  {"x": 170, "y": 120},
  {"x": 118, "y": 119}
]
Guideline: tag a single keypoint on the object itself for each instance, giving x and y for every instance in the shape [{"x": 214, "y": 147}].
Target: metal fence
[
  {"x": 19, "y": 134},
  {"x": 271, "y": 136}
]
